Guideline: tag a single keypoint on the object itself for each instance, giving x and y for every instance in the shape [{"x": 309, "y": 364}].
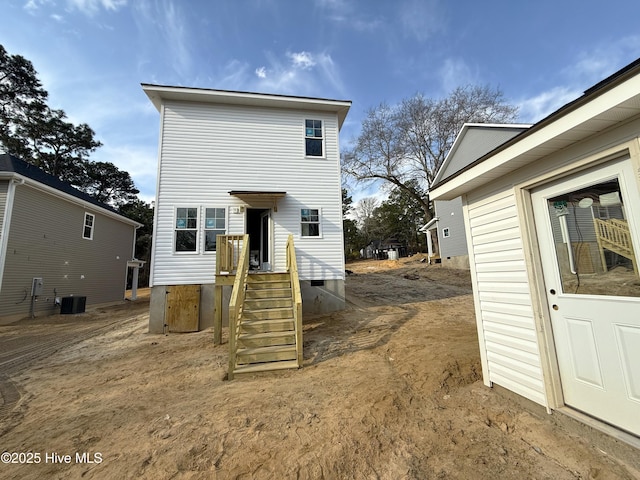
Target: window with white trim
[
  {"x": 445, "y": 233},
  {"x": 309, "y": 222},
  {"x": 313, "y": 139},
  {"x": 186, "y": 229},
  {"x": 215, "y": 223},
  {"x": 89, "y": 221}
]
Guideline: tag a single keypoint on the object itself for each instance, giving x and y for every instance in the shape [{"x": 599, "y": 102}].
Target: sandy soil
[{"x": 391, "y": 389}]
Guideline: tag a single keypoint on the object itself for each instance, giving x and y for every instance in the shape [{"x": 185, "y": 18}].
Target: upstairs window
[
  {"x": 87, "y": 231},
  {"x": 215, "y": 221},
  {"x": 186, "y": 229},
  {"x": 310, "y": 222},
  {"x": 313, "y": 138}
]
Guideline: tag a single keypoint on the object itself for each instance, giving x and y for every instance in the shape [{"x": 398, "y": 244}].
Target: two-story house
[
  {"x": 56, "y": 243},
  {"x": 234, "y": 163}
]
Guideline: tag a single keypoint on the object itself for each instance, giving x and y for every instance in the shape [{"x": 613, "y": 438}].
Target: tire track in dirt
[{"x": 11, "y": 362}]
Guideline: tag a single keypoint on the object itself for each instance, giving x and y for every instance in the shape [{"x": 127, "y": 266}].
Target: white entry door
[
  {"x": 265, "y": 240},
  {"x": 588, "y": 228}
]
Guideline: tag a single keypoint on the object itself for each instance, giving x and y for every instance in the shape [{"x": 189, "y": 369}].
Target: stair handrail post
[
  {"x": 236, "y": 303},
  {"x": 292, "y": 268}
]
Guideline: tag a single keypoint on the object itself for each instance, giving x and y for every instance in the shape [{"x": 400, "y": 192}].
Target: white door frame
[{"x": 538, "y": 251}]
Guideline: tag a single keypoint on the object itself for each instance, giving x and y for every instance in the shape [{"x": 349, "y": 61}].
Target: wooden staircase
[
  {"x": 267, "y": 333},
  {"x": 265, "y": 317}
]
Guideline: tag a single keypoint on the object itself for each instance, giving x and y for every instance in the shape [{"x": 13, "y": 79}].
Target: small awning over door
[{"x": 252, "y": 197}]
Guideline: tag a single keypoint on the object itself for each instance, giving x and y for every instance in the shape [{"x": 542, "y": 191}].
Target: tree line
[{"x": 43, "y": 136}]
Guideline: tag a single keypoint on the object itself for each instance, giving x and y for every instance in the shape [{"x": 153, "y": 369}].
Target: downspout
[{"x": 6, "y": 223}]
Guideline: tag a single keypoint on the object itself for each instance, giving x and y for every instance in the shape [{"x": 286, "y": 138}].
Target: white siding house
[
  {"x": 553, "y": 227},
  {"x": 234, "y": 163}
]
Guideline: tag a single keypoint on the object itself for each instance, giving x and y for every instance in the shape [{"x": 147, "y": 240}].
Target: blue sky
[{"x": 92, "y": 55}]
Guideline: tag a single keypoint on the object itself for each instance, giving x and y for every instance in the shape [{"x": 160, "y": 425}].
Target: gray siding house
[
  {"x": 56, "y": 242},
  {"x": 473, "y": 141}
]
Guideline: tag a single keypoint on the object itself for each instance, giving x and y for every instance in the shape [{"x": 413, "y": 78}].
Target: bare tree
[
  {"x": 410, "y": 141},
  {"x": 364, "y": 213}
]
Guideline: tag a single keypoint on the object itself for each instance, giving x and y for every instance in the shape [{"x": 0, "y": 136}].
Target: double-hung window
[
  {"x": 215, "y": 222},
  {"x": 313, "y": 138},
  {"x": 309, "y": 222},
  {"x": 87, "y": 231},
  {"x": 186, "y": 229}
]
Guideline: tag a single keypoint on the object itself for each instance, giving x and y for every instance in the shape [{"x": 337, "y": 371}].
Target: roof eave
[
  {"x": 73, "y": 199},
  {"x": 612, "y": 102},
  {"x": 159, "y": 93}
]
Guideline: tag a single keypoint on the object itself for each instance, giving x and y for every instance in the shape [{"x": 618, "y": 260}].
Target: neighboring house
[
  {"x": 389, "y": 248},
  {"x": 232, "y": 163},
  {"x": 553, "y": 219},
  {"x": 55, "y": 242},
  {"x": 473, "y": 141}
]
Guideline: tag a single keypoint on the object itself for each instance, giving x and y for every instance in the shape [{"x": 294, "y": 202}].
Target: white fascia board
[
  {"x": 70, "y": 198},
  {"x": 430, "y": 223},
  {"x": 608, "y": 107},
  {"x": 158, "y": 93}
]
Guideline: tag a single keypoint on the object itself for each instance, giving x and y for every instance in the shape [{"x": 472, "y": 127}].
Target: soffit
[
  {"x": 589, "y": 118},
  {"x": 159, "y": 93}
]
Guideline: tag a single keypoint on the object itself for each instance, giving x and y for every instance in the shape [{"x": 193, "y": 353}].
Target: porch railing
[
  {"x": 614, "y": 235},
  {"x": 228, "y": 252},
  {"x": 292, "y": 268},
  {"x": 237, "y": 301}
]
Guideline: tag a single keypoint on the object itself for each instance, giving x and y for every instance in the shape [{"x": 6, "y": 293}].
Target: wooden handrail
[
  {"x": 237, "y": 301},
  {"x": 292, "y": 268},
  {"x": 614, "y": 235}
]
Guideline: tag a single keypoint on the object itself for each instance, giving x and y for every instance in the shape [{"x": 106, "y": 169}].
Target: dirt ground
[{"x": 391, "y": 389}]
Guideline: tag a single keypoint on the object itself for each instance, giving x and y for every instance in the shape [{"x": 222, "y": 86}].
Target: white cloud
[
  {"x": 261, "y": 72},
  {"x": 91, "y": 7},
  {"x": 302, "y": 60},
  {"x": 140, "y": 162},
  {"x": 32, "y": 6},
  {"x": 536, "y": 108},
  {"x": 305, "y": 73},
  {"x": 455, "y": 73},
  {"x": 165, "y": 20},
  {"x": 421, "y": 19}
]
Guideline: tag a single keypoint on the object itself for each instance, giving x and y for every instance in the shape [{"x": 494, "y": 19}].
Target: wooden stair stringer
[{"x": 267, "y": 335}]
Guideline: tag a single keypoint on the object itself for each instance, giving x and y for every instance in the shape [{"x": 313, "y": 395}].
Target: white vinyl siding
[
  {"x": 504, "y": 301},
  {"x": 206, "y": 153}
]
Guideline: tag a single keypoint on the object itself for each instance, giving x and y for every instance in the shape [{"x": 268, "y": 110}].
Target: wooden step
[
  {"x": 268, "y": 284},
  {"x": 268, "y": 277},
  {"x": 265, "y": 339},
  {"x": 253, "y": 304},
  {"x": 265, "y": 367},
  {"x": 261, "y": 326},
  {"x": 266, "y": 354},
  {"x": 268, "y": 314},
  {"x": 268, "y": 293}
]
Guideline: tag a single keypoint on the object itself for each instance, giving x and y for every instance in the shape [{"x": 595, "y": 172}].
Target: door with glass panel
[{"x": 588, "y": 228}]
